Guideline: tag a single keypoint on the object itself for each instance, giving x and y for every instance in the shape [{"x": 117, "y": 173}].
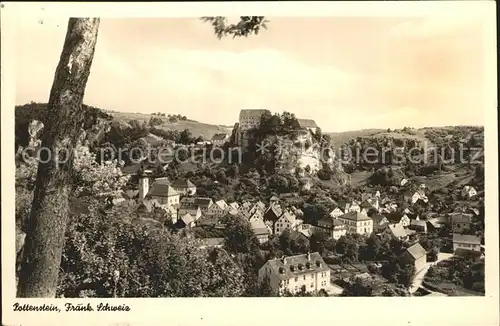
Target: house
[
  {"x": 219, "y": 208},
  {"x": 234, "y": 205},
  {"x": 163, "y": 193},
  {"x": 418, "y": 225},
  {"x": 466, "y": 241},
  {"x": 352, "y": 207},
  {"x": 260, "y": 230},
  {"x": 255, "y": 216},
  {"x": 397, "y": 217},
  {"x": 332, "y": 227},
  {"x": 219, "y": 139},
  {"x": 204, "y": 203},
  {"x": 398, "y": 231},
  {"x": 287, "y": 220},
  {"x": 460, "y": 222},
  {"x": 293, "y": 274},
  {"x": 468, "y": 192},
  {"x": 433, "y": 224},
  {"x": 184, "y": 187},
  {"x": 245, "y": 207},
  {"x": 415, "y": 255},
  {"x": 308, "y": 124},
  {"x": 379, "y": 222},
  {"x": 357, "y": 222},
  {"x": 336, "y": 212},
  {"x": 211, "y": 243}
]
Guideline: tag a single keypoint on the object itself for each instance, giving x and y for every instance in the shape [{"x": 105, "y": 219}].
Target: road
[{"x": 419, "y": 277}]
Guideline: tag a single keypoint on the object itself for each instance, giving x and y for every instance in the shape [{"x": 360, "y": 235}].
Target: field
[{"x": 197, "y": 128}]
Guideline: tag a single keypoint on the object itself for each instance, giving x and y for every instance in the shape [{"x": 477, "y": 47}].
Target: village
[{"x": 369, "y": 215}]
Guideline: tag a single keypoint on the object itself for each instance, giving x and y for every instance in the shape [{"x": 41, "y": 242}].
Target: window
[
  {"x": 312, "y": 285},
  {"x": 304, "y": 277},
  {"x": 312, "y": 276},
  {"x": 296, "y": 288},
  {"x": 296, "y": 279}
]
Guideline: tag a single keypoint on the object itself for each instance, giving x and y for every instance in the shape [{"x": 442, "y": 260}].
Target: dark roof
[
  {"x": 162, "y": 190},
  {"x": 249, "y": 113},
  {"x": 292, "y": 266},
  {"x": 307, "y": 123},
  {"x": 329, "y": 222},
  {"x": 183, "y": 183},
  {"x": 377, "y": 218},
  {"x": 219, "y": 136},
  {"x": 466, "y": 238},
  {"x": 416, "y": 251},
  {"x": 395, "y": 216},
  {"x": 355, "y": 216}
]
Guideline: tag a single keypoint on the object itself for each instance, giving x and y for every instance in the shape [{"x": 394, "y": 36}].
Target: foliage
[
  {"x": 358, "y": 288},
  {"x": 90, "y": 177},
  {"x": 105, "y": 256}
]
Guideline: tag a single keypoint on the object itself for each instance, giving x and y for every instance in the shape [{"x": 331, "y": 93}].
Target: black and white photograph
[{"x": 258, "y": 156}]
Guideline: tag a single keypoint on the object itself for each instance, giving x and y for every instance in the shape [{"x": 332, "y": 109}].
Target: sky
[{"x": 347, "y": 73}]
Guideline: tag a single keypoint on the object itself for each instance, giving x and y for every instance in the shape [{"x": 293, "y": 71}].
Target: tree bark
[{"x": 49, "y": 214}]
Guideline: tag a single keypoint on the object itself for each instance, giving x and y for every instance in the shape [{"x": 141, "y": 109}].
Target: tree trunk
[{"x": 49, "y": 214}]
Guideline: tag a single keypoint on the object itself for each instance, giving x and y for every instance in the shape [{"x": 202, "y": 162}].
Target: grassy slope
[{"x": 197, "y": 128}]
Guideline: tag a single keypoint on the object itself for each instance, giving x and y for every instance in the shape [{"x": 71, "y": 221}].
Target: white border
[{"x": 343, "y": 311}]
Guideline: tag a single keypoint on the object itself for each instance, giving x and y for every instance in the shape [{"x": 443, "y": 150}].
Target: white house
[
  {"x": 399, "y": 218},
  {"x": 307, "y": 272},
  {"x": 332, "y": 227},
  {"x": 218, "y": 209},
  {"x": 286, "y": 221},
  {"x": 356, "y": 222}
]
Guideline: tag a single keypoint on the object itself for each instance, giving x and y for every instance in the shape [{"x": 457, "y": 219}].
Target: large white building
[{"x": 295, "y": 273}]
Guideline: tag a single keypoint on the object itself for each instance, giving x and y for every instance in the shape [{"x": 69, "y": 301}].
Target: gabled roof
[
  {"x": 307, "y": 123},
  {"x": 203, "y": 202},
  {"x": 252, "y": 113},
  {"x": 187, "y": 219},
  {"x": 466, "y": 238},
  {"x": 183, "y": 183},
  {"x": 416, "y": 251},
  {"x": 259, "y": 227},
  {"x": 234, "y": 205},
  {"x": 289, "y": 267},
  {"x": 288, "y": 216},
  {"x": 163, "y": 180},
  {"x": 162, "y": 190},
  {"x": 274, "y": 198},
  {"x": 221, "y": 203},
  {"x": 397, "y": 230},
  {"x": 377, "y": 218},
  {"x": 355, "y": 216}
]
